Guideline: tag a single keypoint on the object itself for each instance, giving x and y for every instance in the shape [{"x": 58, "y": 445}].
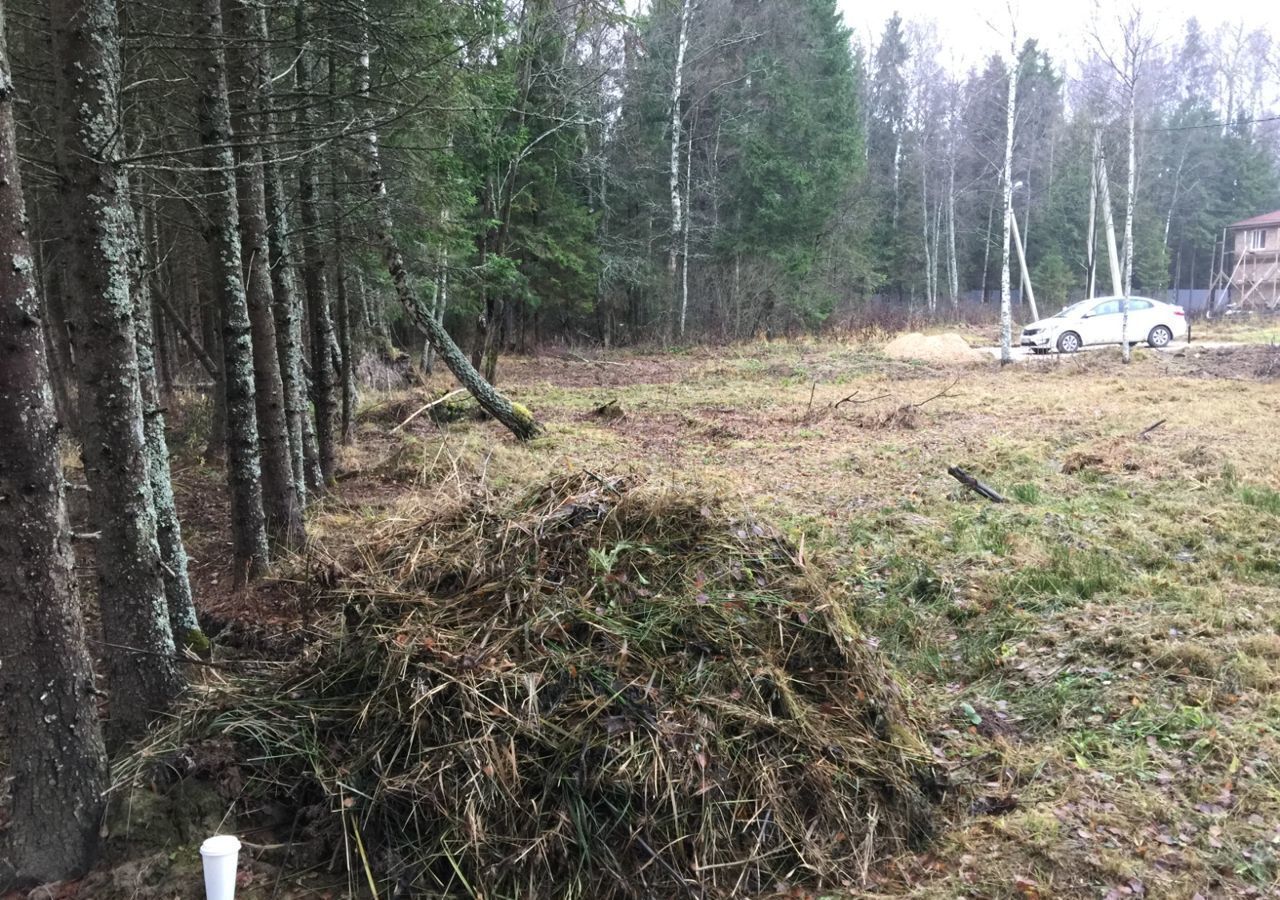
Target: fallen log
[
  {"x": 1150, "y": 428},
  {"x": 975, "y": 485}
]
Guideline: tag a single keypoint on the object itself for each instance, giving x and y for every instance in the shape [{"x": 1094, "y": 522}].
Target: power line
[{"x": 1218, "y": 125}]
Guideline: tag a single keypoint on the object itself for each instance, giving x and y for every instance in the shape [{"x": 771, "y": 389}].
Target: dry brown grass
[
  {"x": 1112, "y": 629},
  {"x": 602, "y": 688}
]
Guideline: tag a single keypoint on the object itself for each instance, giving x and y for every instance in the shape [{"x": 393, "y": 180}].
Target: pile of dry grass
[
  {"x": 599, "y": 690},
  {"x": 937, "y": 348}
]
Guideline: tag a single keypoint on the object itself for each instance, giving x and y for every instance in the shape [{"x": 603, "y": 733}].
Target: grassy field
[{"x": 1094, "y": 661}]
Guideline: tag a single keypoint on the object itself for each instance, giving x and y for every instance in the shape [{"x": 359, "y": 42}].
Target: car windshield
[{"x": 1073, "y": 308}]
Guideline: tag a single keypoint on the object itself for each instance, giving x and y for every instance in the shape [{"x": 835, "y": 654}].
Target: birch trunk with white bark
[
  {"x": 1129, "y": 205},
  {"x": 1006, "y": 300},
  {"x": 677, "y": 202},
  {"x": 953, "y": 266}
]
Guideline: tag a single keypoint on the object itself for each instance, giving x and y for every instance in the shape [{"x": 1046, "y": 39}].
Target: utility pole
[
  {"x": 1022, "y": 263},
  {"x": 1091, "y": 249},
  {"x": 1108, "y": 219}
]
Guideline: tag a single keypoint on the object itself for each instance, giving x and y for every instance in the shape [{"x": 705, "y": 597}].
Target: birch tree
[
  {"x": 677, "y": 200},
  {"x": 57, "y": 767},
  {"x": 1135, "y": 42},
  {"x": 1006, "y": 306}
]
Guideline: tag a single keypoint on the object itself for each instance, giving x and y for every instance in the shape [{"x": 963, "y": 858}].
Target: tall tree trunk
[
  {"x": 1130, "y": 199},
  {"x": 953, "y": 264},
  {"x": 1006, "y": 309},
  {"x": 57, "y": 769},
  {"x": 518, "y": 421},
  {"x": 173, "y": 554},
  {"x": 342, "y": 293},
  {"x": 930, "y": 271},
  {"x": 677, "y": 202},
  {"x": 244, "y": 466},
  {"x": 287, "y": 309},
  {"x": 684, "y": 250},
  {"x": 986, "y": 246},
  {"x": 313, "y": 269},
  {"x": 143, "y": 671},
  {"x": 57, "y": 323},
  {"x": 247, "y": 73}
]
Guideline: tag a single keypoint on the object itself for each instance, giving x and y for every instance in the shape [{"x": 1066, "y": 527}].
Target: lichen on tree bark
[
  {"x": 244, "y": 471},
  {"x": 142, "y": 669}
]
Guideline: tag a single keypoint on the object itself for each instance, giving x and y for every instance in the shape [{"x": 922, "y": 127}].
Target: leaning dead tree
[{"x": 518, "y": 421}]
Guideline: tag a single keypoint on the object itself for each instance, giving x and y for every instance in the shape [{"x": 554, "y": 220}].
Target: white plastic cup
[{"x": 220, "y": 855}]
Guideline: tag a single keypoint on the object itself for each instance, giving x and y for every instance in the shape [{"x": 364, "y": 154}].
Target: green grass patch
[{"x": 1263, "y": 498}]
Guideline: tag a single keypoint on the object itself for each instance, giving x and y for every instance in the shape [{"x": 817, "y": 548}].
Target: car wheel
[
  {"x": 1069, "y": 342},
  {"x": 1160, "y": 337}
]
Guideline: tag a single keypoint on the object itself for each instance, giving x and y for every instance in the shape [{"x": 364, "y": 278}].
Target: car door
[
  {"x": 1143, "y": 316},
  {"x": 1101, "y": 325}
]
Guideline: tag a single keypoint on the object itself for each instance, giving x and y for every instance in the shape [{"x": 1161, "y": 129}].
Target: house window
[{"x": 1258, "y": 239}]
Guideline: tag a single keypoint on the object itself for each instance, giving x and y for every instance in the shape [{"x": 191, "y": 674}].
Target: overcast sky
[{"x": 965, "y": 27}]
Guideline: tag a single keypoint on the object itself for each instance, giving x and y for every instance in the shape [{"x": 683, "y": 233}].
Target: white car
[{"x": 1099, "y": 321}]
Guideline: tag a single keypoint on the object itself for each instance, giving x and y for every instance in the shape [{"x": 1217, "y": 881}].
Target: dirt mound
[
  {"x": 603, "y": 689},
  {"x": 1246, "y": 362},
  {"x": 939, "y": 348}
]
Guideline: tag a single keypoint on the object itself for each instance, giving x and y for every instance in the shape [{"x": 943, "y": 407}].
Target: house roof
[{"x": 1271, "y": 218}]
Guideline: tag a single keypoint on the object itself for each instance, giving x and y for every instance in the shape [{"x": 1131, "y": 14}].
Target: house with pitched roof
[{"x": 1254, "y": 267}]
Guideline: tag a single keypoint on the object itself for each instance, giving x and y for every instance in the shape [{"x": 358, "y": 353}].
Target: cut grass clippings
[{"x": 606, "y": 688}]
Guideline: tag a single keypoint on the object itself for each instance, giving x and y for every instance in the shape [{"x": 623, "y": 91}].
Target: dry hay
[
  {"x": 939, "y": 348},
  {"x": 1109, "y": 455},
  {"x": 604, "y": 689},
  {"x": 907, "y": 417}
]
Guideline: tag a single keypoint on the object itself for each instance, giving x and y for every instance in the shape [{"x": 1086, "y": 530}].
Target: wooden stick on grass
[
  {"x": 433, "y": 403},
  {"x": 1150, "y": 428},
  {"x": 975, "y": 485}
]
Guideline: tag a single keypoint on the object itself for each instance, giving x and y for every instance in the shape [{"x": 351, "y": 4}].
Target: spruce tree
[
  {"x": 57, "y": 768},
  {"x": 143, "y": 670}
]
